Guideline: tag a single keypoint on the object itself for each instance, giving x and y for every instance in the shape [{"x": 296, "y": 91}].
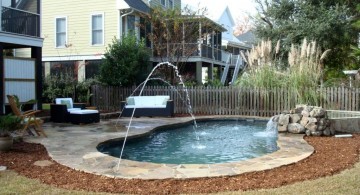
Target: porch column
[
  {"x": 2, "y": 102},
  {"x": 210, "y": 72},
  {"x": 199, "y": 73},
  {"x": 81, "y": 71},
  {"x": 200, "y": 40},
  {"x": 36, "y": 53},
  {"x": 47, "y": 69}
]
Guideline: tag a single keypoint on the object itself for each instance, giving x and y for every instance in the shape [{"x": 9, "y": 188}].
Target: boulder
[
  {"x": 276, "y": 118},
  {"x": 318, "y": 112},
  {"x": 321, "y": 127},
  {"x": 308, "y": 132},
  {"x": 305, "y": 113},
  {"x": 284, "y": 119},
  {"x": 282, "y": 128},
  {"x": 311, "y": 125},
  {"x": 327, "y": 132},
  {"x": 295, "y": 118},
  {"x": 316, "y": 133},
  {"x": 299, "y": 108},
  {"x": 304, "y": 121},
  {"x": 296, "y": 128}
]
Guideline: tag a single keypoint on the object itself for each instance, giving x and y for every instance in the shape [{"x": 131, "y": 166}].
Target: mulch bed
[{"x": 331, "y": 156}]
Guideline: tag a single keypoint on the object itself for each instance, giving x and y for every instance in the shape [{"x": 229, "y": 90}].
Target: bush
[{"x": 125, "y": 63}]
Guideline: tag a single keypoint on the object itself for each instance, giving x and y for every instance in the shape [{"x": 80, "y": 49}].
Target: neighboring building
[
  {"x": 231, "y": 44},
  {"x": 20, "y": 28},
  {"x": 248, "y": 38},
  {"x": 76, "y": 39}
]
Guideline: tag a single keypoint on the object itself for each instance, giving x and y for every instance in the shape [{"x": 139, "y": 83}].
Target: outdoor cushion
[
  {"x": 147, "y": 101},
  {"x": 84, "y": 111},
  {"x": 67, "y": 101}
]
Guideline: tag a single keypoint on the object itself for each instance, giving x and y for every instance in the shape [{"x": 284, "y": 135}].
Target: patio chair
[
  {"x": 64, "y": 110},
  {"x": 28, "y": 118}
]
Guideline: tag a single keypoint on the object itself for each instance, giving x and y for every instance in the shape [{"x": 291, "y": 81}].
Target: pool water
[{"x": 211, "y": 142}]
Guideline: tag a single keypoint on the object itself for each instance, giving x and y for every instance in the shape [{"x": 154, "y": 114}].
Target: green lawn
[{"x": 46, "y": 106}]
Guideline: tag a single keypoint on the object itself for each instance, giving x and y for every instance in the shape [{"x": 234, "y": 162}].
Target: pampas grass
[{"x": 302, "y": 74}]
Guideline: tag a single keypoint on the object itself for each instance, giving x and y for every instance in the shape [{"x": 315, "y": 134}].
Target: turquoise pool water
[{"x": 218, "y": 142}]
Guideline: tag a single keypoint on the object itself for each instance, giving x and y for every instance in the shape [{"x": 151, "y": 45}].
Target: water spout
[{"x": 190, "y": 110}]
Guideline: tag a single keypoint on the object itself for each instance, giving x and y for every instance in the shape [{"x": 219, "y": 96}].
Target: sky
[{"x": 238, "y": 8}]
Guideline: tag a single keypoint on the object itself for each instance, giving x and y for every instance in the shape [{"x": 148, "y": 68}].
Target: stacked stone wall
[{"x": 311, "y": 120}]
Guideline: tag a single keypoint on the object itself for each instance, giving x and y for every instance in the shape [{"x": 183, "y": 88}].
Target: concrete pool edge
[{"x": 81, "y": 156}]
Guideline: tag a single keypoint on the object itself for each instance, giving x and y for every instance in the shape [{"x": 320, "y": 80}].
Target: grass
[
  {"x": 12, "y": 183},
  {"x": 46, "y": 106},
  {"x": 346, "y": 182}
]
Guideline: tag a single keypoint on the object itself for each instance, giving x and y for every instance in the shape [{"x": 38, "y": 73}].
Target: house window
[
  {"x": 97, "y": 29},
  {"x": 131, "y": 23},
  {"x": 61, "y": 32},
  {"x": 171, "y": 3},
  {"x": 163, "y": 3}
]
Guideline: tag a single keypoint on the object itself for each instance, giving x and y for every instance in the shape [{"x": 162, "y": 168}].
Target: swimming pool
[{"x": 213, "y": 141}]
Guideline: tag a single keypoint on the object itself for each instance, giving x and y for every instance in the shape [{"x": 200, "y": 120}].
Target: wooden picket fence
[{"x": 228, "y": 100}]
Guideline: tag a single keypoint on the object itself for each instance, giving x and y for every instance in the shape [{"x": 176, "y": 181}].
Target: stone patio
[{"x": 75, "y": 146}]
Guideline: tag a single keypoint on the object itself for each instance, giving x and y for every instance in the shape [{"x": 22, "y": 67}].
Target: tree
[
  {"x": 176, "y": 35},
  {"x": 328, "y": 22},
  {"x": 125, "y": 63}
]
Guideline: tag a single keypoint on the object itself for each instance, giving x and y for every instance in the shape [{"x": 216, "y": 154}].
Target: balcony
[
  {"x": 192, "y": 52},
  {"x": 20, "y": 22}
]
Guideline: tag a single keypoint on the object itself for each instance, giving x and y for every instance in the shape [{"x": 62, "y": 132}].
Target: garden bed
[{"x": 331, "y": 156}]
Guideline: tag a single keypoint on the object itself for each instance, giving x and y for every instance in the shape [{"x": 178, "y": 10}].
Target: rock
[
  {"x": 299, "y": 108},
  {"x": 312, "y": 126},
  {"x": 295, "y": 118},
  {"x": 322, "y": 122},
  {"x": 321, "y": 127},
  {"x": 308, "y": 132},
  {"x": 305, "y": 113},
  {"x": 296, "y": 128},
  {"x": 332, "y": 131},
  {"x": 3, "y": 168},
  {"x": 284, "y": 119},
  {"x": 316, "y": 133},
  {"x": 313, "y": 120},
  {"x": 327, "y": 132},
  {"x": 304, "y": 121},
  {"x": 285, "y": 112},
  {"x": 318, "y": 112},
  {"x": 282, "y": 128},
  {"x": 276, "y": 118}
]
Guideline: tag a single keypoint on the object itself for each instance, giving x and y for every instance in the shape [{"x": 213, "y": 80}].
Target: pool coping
[{"x": 75, "y": 147}]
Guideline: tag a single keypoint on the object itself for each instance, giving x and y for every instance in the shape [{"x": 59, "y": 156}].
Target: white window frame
[
  {"x": 66, "y": 31},
  {"x": 171, "y": 6},
  {"x": 103, "y": 28},
  {"x": 163, "y": 4}
]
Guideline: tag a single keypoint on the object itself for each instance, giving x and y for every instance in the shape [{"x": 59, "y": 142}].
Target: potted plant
[{"x": 8, "y": 123}]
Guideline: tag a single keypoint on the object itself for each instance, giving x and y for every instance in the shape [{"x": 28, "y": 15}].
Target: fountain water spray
[
  {"x": 142, "y": 84},
  {"x": 142, "y": 88}
]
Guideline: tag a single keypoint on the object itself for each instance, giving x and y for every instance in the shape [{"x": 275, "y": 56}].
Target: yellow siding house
[{"x": 76, "y": 33}]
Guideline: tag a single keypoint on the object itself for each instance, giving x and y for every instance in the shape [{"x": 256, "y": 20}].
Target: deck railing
[
  {"x": 230, "y": 100},
  {"x": 20, "y": 22},
  {"x": 190, "y": 50}
]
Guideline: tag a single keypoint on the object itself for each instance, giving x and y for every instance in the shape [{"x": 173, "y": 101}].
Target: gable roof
[
  {"x": 228, "y": 13},
  {"x": 138, "y": 5}
]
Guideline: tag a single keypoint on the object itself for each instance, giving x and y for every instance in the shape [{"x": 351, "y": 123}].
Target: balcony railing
[
  {"x": 191, "y": 50},
  {"x": 20, "y": 22}
]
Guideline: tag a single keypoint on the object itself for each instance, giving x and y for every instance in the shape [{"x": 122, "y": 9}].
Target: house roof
[
  {"x": 138, "y": 5},
  {"x": 248, "y": 37}
]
